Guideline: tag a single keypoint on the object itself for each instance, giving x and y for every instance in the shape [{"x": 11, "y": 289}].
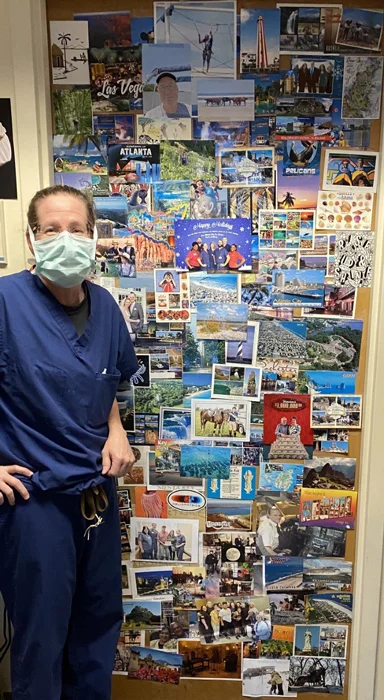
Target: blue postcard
[
  {"x": 323, "y": 382},
  {"x": 278, "y": 476},
  {"x": 205, "y": 461},
  {"x": 283, "y": 573},
  {"x": 240, "y": 485},
  {"x": 213, "y": 245},
  {"x": 319, "y": 75},
  {"x": 302, "y": 157},
  {"x": 297, "y": 288}
]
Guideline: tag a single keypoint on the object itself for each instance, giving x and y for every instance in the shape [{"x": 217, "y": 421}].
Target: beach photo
[
  {"x": 196, "y": 385},
  {"x": 236, "y": 381},
  {"x": 259, "y": 40},
  {"x": 329, "y": 607},
  {"x": 246, "y": 167},
  {"x": 203, "y": 461},
  {"x": 220, "y": 420},
  {"x": 298, "y": 288},
  {"x": 226, "y": 515},
  {"x": 85, "y": 156},
  {"x": 229, "y": 100},
  {"x": 205, "y": 287},
  {"x": 225, "y": 322},
  {"x": 164, "y": 539},
  {"x": 286, "y": 229},
  {"x": 283, "y": 573}
]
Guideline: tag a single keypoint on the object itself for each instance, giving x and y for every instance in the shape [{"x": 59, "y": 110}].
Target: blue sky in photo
[
  {"x": 224, "y": 86},
  {"x": 248, "y": 30}
]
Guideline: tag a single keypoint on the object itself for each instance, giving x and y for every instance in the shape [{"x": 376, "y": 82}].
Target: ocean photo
[{"x": 205, "y": 461}]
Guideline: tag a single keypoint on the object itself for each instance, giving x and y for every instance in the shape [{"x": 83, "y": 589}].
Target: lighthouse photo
[{"x": 259, "y": 40}]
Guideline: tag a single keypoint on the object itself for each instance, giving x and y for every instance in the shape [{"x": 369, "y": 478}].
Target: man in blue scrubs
[{"x": 64, "y": 347}]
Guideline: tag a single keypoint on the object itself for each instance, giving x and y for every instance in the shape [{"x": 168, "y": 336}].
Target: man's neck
[
  {"x": 170, "y": 107},
  {"x": 68, "y": 297}
]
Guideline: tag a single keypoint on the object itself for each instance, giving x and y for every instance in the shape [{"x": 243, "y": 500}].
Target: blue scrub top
[{"x": 57, "y": 389}]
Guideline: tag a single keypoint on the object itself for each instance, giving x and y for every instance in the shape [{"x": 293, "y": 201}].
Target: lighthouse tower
[{"x": 261, "y": 46}]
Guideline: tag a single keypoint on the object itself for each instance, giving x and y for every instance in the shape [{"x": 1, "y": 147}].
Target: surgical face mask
[{"x": 65, "y": 259}]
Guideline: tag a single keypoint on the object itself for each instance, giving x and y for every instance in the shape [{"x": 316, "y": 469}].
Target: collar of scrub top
[{"x": 61, "y": 317}]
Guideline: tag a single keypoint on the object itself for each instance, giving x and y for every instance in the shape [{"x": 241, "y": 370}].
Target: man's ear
[{"x": 29, "y": 243}]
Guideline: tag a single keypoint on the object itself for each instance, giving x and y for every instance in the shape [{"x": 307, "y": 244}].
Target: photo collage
[{"x": 229, "y": 156}]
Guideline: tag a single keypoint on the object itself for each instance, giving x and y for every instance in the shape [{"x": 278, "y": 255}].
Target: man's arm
[{"x": 117, "y": 454}]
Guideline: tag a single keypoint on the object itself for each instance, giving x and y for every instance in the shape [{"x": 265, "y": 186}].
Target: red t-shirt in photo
[{"x": 193, "y": 258}]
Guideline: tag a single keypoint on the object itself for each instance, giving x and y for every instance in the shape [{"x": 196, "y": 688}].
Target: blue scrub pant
[{"x": 63, "y": 596}]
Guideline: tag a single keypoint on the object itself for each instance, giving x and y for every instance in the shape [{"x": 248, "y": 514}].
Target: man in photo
[
  {"x": 313, "y": 77},
  {"x": 268, "y": 531},
  {"x": 211, "y": 562},
  {"x": 136, "y": 314},
  {"x": 170, "y": 107},
  {"x": 154, "y": 536},
  {"x": 221, "y": 255},
  {"x": 282, "y": 428},
  {"x": 180, "y": 545}
]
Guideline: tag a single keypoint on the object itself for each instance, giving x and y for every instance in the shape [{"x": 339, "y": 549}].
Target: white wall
[{"x": 24, "y": 79}]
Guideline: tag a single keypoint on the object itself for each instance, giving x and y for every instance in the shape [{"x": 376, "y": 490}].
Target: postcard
[
  {"x": 206, "y": 287},
  {"x": 196, "y": 385},
  {"x": 224, "y": 664},
  {"x": 259, "y": 40},
  {"x": 207, "y": 199},
  {"x": 263, "y": 676},
  {"x": 318, "y": 75},
  {"x": 244, "y": 352},
  {"x": 344, "y": 168},
  {"x": 363, "y": 77},
  {"x": 323, "y": 382},
  {"x": 212, "y": 419},
  {"x": 322, "y": 353},
  {"x": 329, "y": 507},
  {"x": 305, "y": 674},
  {"x": 340, "y": 210},
  {"x": 205, "y": 461},
  {"x": 187, "y": 160},
  {"x": 236, "y": 381},
  {"x": 361, "y": 29},
  {"x": 279, "y": 375},
  {"x": 134, "y": 162},
  {"x": 225, "y": 99},
  {"x": 329, "y": 607},
  {"x": 336, "y": 411},
  {"x": 107, "y": 30},
  {"x": 141, "y": 615},
  {"x": 214, "y": 245},
  {"x": 222, "y": 133},
  {"x": 155, "y": 130},
  {"x": 267, "y": 90},
  {"x": 321, "y": 640},
  {"x": 170, "y": 202},
  {"x": 246, "y": 167},
  {"x": 235, "y": 621},
  {"x": 80, "y": 181},
  {"x": 154, "y": 665},
  {"x": 136, "y": 474},
  {"x": 166, "y": 392},
  {"x": 118, "y": 127},
  {"x": 209, "y": 32},
  {"x": 282, "y": 339},
  {"x": 167, "y": 80},
  {"x": 164, "y": 471},
  {"x": 258, "y": 296},
  {"x": 89, "y": 157},
  {"x": 295, "y": 191},
  {"x": 298, "y": 288},
  {"x": 283, "y": 573},
  {"x": 330, "y": 440},
  {"x": 164, "y": 539},
  {"x": 328, "y": 574},
  {"x": 287, "y": 609},
  {"x": 302, "y": 28},
  {"x": 172, "y": 295},
  {"x": 69, "y": 53},
  {"x": 287, "y": 431},
  {"x": 117, "y": 87},
  {"x": 286, "y": 229},
  {"x": 175, "y": 424},
  {"x": 153, "y": 582},
  {"x": 224, "y": 322},
  {"x": 279, "y": 259},
  {"x": 72, "y": 111},
  {"x": 202, "y": 352},
  {"x": 241, "y": 484},
  {"x": 225, "y": 515},
  {"x": 354, "y": 258},
  {"x": 278, "y": 476},
  {"x": 339, "y": 302},
  {"x": 123, "y": 651}
]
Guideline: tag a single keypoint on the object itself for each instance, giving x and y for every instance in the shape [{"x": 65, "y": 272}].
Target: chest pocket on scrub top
[
  {"x": 41, "y": 389},
  {"x": 104, "y": 393}
]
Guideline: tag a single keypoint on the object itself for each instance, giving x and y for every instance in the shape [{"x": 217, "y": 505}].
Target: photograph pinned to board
[
  {"x": 224, "y": 663},
  {"x": 318, "y": 75},
  {"x": 224, "y": 322},
  {"x": 287, "y": 430},
  {"x": 8, "y": 185},
  {"x": 259, "y": 40},
  {"x": 172, "y": 296},
  {"x": 339, "y": 302},
  {"x": 69, "y": 52},
  {"x": 328, "y": 507},
  {"x": 333, "y": 344},
  {"x": 227, "y": 515},
  {"x": 151, "y": 130},
  {"x": 222, "y": 133},
  {"x": 213, "y": 245},
  {"x": 188, "y": 160},
  {"x": 294, "y": 191},
  {"x": 344, "y": 209},
  {"x": 155, "y": 665},
  {"x": 107, "y": 32},
  {"x": 118, "y": 87},
  {"x": 360, "y": 29},
  {"x": 298, "y": 288},
  {"x": 235, "y": 381},
  {"x": 279, "y": 375},
  {"x": 280, "y": 476},
  {"x": 325, "y": 575},
  {"x": 89, "y": 157},
  {"x": 164, "y": 469},
  {"x": 152, "y": 582},
  {"x": 142, "y": 615},
  {"x": 213, "y": 420},
  {"x": 287, "y": 610},
  {"x": 164, "y": 539},
  {"x": 261, "y": 677},
  {"x": 346, "y": 168},
  {"x": 3, "y": 239},
  {"x": 73, "y": 111},
  {"x": 205, "y": 461},
  {"x": 142, "y": 378},
  {"x": 246, "y": 167},
  {"x": 132, "y": 163},
  {"x": 243, "y": 352},
  {"x": 225, "y": 99},
  {"x": 321, "y": 640},
  {"x": 336, "y": 411},
  {"x": 286, "y": 229},
  {"x": 240, "y": 485},
  {"x": 302, "y": 28},
  {"x": 282, "y": 573},
  {"x": 281, "y": 339},
  {"x": 329, "y": 607},
  {"x": 206, "y": 287},
  {"x": 354, "y": 253},
  {"x": 175, "y": 423},
  {"x": 167, "y": 80},
  {"x": 325, "y": 382},
  {"x": 118, "y": 127},
  {"x": 330, "y": 473},
  {"x": 316, "y": 674},
  {"x": 331, "y": 440},
  {"x": 363, "y": 76}
]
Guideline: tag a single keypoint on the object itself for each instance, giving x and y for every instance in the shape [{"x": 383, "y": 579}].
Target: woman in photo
[
  {"x": 234, "y": 258},
  {"x": 212, "y": 258},
  {"x": 124, "y": 308},
  {"x": 168, "y": 283},
  {"x": 164, "y": 641},
  {"x": 323, "y": 79},
  {"x": 144, "y": 541},
  {"x": 172, "y": 544}
]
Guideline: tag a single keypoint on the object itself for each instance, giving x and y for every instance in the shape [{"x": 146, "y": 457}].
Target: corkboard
[{"x": 195, "y": 689}]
